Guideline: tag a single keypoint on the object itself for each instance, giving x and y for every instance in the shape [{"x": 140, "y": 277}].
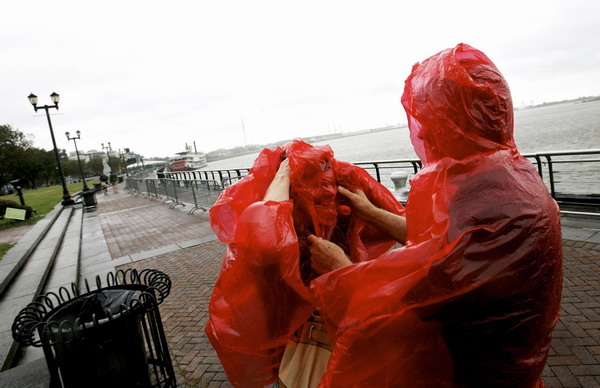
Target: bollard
[
  {"x": 17, "y": 185},
  {"x": 399, "y": 179}
]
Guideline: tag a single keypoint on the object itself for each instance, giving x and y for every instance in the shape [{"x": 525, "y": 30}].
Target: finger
[
  {"x": 350, "y": 193},
  {"x": 361, "y": 193},
  {"x": 312, "y": 239},
  {"x": 345, "y": 192},
  {"x": 284, "y": 165}
]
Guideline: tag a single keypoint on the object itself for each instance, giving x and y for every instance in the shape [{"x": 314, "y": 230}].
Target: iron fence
[{"x": 572, "y": 178}]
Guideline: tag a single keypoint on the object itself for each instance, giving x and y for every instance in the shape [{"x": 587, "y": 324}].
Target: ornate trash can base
[
  {"x": 109, "y": 337},
  {"x": 89, "y": 198}
]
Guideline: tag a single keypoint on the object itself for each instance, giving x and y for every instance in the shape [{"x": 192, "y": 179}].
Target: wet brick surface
[{"x": 133, "y": 224}]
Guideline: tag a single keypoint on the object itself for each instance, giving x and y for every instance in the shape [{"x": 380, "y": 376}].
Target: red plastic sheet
[
  {"x": 472, "y": 298},
  {"x": 262, "y": 294}
]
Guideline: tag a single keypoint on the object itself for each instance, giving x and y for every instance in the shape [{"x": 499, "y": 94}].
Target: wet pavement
[{"x": 137, "y": 232}]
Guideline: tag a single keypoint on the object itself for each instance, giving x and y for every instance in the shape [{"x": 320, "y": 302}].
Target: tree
[
  {"x": 12, "y": 144},
  {"x": 115, "y": 164},
  {"x": 34, "y": 164},
  {"x": 71, "y": 168},
  {"x": 50, "y": 172},
  {"x": 94, "y": 166}
]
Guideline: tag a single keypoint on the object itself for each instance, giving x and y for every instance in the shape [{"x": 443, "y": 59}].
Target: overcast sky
[{"x": 152, "y": 76}]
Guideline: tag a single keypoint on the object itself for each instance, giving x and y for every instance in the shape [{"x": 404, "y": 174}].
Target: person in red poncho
[
  {"x": 262, "y": 295},
  {"x": 469, "y": 301},
  {"x": 472, "y": 298}
]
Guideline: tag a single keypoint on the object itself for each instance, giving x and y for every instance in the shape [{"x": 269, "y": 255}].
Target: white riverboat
[{"x": 187, "y": 160}]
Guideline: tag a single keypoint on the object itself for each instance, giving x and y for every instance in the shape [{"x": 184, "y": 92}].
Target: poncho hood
[{"x": 458, "y": 105}]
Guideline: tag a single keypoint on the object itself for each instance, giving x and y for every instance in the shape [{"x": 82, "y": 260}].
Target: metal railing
[
  {"x": 199, "y": 194},
  {"x": 213, "y": 175},
  {"x": 572, "y": 178}
]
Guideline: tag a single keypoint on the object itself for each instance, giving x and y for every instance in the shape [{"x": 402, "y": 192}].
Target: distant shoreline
[
  {"x": 579, "y": 100},
  {"x": 308, "y": 139}
]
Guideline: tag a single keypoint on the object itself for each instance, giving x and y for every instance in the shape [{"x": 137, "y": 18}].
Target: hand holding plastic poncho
[{"x": 471, "y": 300}]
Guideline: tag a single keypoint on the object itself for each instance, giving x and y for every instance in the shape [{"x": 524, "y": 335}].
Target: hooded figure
[{"x": 472, "y": 298}]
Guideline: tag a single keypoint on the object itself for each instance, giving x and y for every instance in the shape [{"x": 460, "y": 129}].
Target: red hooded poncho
[
  {"x": 472, "y": 299},
  {"x": 262, "y": 294}
]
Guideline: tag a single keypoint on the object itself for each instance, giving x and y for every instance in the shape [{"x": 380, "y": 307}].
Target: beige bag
[{"x": 306, "y": 355}]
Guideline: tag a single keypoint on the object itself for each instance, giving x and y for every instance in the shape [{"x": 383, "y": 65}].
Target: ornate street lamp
[
  {"x": 67, "y": 200},
  {"x": 85, "y": 187}
]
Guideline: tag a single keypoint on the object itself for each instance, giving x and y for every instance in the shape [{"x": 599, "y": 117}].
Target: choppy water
[
  {"x": 557, "y": 127},
  {"x": 568, "y": 126}
]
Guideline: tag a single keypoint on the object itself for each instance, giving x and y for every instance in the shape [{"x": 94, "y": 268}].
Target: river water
[{"x": 568, "y": 126}]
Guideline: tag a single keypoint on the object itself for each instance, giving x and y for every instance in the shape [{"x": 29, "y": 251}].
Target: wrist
[{"x": 373, "y": 212}]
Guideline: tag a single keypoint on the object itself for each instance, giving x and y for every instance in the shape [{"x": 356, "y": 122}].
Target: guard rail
[{"x": 572, "y": 178}]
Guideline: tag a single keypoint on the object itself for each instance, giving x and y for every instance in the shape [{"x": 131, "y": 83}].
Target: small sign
[{"x": 15, "y": 214}]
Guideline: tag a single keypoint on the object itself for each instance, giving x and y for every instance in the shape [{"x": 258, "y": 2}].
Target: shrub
[{"x": 4, "y": 203}]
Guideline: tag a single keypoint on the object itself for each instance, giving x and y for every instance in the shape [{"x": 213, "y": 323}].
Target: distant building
[{"x": 89, "y": 155}]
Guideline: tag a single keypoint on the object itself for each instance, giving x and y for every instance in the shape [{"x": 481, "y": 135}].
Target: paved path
[
  {"x": 138, "y": 226},
  {"x": 135, "y": 232},
  {"x": 574, "y": 359},
  {"x": 12, "y": 235},
  {"x": 142, "y": 233}
]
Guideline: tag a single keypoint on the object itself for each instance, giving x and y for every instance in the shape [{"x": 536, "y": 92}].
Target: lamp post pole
[
  {"x": 85, "y": 187},
  {"x": 67, "y": 200},
  {"x": 122, "y": 155}
]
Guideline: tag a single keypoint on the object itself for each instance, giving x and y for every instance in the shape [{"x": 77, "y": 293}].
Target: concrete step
[
  {"x": 66, "y": 266},
  {"x": 18, "y": 255},
  {"x": 95, "y": 255},
  {"x": 28, "y": 282}
]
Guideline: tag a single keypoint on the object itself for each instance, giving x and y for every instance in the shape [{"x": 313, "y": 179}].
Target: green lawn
[
  {"x": 42, "y": 200},
  {"x": 4, "y": 247}
]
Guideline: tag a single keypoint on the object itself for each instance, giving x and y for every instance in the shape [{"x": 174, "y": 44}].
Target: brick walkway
[
  {"x": 193, "y": 272},
  {"x": 574, "y": 359},
  {"x": 137, "y": 224},
  {"x": 134, "y": 224}
]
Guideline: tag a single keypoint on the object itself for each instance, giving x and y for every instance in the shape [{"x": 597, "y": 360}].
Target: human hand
[
  {"x": 325, "y": 256},
  {"x": 279, "y": 189},
  {"x": 361, "y": 206},
  {"x": 389, "y": 223}
]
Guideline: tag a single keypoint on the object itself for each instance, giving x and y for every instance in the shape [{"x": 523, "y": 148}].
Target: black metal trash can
[
  {"x": 109, "y": 337},
  {"x": 89, "y": 198}
]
